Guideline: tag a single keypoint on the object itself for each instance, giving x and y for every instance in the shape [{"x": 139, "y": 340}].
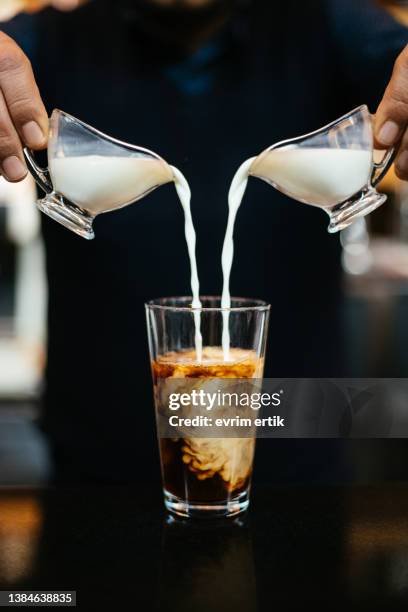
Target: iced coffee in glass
[{"x": 205, "y": 476}]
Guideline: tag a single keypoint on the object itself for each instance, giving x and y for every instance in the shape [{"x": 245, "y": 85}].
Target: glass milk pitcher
[
  {"x": 332, "y": 168},
  {"x": 90, "y": 173}
]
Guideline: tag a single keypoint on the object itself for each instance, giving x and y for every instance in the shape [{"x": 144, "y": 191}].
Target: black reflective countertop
[{"x": 344, "y": 547}]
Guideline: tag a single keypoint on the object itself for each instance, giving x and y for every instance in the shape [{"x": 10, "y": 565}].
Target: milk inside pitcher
[
  {"x": 90, "y": 173},
  {"x": 333, "y": 168}
]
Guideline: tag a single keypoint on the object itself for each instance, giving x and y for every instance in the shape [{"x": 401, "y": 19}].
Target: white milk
[
  {"x": 320, "y": 177},
  {"x": 235, "y": 195},
  {"x": 184, "y": 195},
  {"x": 99, "y": 184}
]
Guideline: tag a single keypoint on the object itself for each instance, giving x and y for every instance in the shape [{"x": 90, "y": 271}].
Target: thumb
[{"x": 392, "y": 114}]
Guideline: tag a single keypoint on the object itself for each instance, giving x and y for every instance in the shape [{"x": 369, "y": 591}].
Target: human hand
[
  {"x": 391, "y": 121},
  {"x": 23, "y": 118}
]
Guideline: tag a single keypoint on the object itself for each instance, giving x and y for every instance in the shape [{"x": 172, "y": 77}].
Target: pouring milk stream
[
  {"x": 332, "y": 168},
  {"x": 106, "y": 182},
  {"x": 91, "y": 173},
  {"x": 323, "y": 177},
  {"x": 82, "y": 183}
]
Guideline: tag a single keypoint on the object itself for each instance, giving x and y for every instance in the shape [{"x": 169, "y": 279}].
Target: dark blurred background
[{"x": 255, "y": 74}]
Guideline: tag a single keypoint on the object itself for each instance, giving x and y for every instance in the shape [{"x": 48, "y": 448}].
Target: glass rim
[
  {"x": 103, "y": 136},
  {"x": 253, "y": 304},
  {"x": 363, "y": 108}
]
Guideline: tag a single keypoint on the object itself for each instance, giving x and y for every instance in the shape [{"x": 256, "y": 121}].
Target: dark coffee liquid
[
  {"x": 195, "y": 486},
  {"x": 212, "y": 469}
]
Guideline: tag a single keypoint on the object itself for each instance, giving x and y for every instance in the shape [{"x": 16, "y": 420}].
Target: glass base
[
  {"x": 69, "y": 215},
  {"x": 209, "y": 510},
  {"x": 344, "y": 214}
]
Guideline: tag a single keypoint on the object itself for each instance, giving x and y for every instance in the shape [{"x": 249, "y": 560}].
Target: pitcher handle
[
  {"x": 381, "y": 168},
  {"x": 41, "y": 175}
]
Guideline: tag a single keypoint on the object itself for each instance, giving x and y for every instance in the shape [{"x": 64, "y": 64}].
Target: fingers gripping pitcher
[{"x": 91, "y": 173}]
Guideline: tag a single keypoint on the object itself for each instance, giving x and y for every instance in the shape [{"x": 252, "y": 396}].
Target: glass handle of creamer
[
  {"x": 55, "y": 205},
  {"x": 381, "y": 168},
  {"x": 41, "y": 175}
]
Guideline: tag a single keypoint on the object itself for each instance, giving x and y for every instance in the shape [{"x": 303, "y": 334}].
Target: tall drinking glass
[{"x": 205, "y": 476}]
